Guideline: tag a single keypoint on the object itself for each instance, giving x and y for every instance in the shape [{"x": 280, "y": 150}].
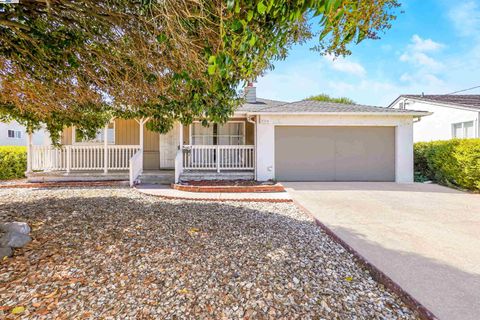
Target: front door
[{"x": 168, "y": 147}]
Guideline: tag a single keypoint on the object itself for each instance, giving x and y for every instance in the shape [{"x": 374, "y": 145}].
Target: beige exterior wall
[
  {"x": 127, "y": 132},
  {"x": 67, "y": 136}
]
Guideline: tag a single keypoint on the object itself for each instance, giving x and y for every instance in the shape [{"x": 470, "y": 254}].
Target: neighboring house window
[
  {"x": 463, "y": 130},
  {"x": 230, "y": 133},
  {"x": 99, "y": 137},
  {"x": 15, "y": 134}
]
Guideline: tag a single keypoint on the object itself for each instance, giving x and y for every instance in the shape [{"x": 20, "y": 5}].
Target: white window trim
[
  {"x": 233, "y": 121},
  {"x": 93, "y": 143},
  {"x": 463, "y": 129}
]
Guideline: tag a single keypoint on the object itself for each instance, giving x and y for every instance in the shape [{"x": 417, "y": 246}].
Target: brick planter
[{"x": 230, "y": 189}]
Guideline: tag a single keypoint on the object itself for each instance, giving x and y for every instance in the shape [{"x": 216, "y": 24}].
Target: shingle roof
[
  {"x": 259, "y": 105},
  {"x": 313, "y": 106},
  {"x": 465, "y": 100}
]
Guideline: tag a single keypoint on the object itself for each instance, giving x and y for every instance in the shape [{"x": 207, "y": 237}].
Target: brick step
[
  {"x": 167, "y": 177},
  {"x": 208, "y": 176}
]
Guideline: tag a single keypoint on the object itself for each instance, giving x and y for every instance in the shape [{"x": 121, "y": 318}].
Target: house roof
[
  {"x": 315, "y": 107},
  {"x": 260, "y": 104},
  {"x": 466, "y": 100}
]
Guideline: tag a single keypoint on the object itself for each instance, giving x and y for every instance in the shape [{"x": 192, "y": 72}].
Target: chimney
[{"x": 250, "y": 93}]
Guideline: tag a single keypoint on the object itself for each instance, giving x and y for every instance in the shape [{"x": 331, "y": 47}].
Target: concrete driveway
[{"x": 423, "y": 236}]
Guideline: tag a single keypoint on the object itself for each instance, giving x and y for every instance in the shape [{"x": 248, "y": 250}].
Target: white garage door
[{"x": 334, "y": 153}]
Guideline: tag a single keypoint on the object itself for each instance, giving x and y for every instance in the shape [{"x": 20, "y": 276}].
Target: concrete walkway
[
  {"x": 166, "y": 192},
  {"x": 426, "y": 238}
]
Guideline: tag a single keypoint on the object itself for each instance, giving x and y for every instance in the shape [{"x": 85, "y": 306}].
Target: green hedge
[
  {"x": 13, "y": 162},
  {"x": 452, "y": 162}
]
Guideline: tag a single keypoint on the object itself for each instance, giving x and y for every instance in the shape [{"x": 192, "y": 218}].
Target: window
[
  {"x": 230, "y": 133},
  {"x": 463, "y": 130},
  {"x": 15, "y": 134},
  {"x": 99, "y": 138}
]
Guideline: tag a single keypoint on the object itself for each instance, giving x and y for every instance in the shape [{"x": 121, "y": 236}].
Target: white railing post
[
  {"x": 179, "y": 155},
  {"x": 105, "y": 149},
  {"x": 29, "y": 152},
  {"x": 68, "y": 150},
  {"x": 218, "y": 158}
]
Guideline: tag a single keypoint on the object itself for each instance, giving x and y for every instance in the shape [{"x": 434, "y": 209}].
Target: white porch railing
[
  {"x": 136, "y": 166},
  {"x": 82, "y": 157},
  {"x": 218, "y": 157}
]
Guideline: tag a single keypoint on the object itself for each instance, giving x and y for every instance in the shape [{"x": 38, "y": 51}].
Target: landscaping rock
[
  {"x": 14, "y": 240},
  {"x": 20, "y": 227},
  {"x": 5, "y": 252},
  {"x": 118, "y": 254}
]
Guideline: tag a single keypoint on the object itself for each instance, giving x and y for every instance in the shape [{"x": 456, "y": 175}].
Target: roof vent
[{"x": 250, "y": 93}]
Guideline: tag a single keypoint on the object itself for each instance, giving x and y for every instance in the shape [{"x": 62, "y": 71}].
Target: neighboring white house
[
  {"x": 14, "y": 134},
  {"x": 263, "y": 140},
  {"x": 454, "y": 116}
]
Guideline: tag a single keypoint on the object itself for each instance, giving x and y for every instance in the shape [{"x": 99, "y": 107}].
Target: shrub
[
  {"x": 452, "y": 162},
  {"x": 13, "y": 162}
]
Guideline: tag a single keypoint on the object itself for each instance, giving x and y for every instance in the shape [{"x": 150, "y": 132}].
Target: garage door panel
[
  {"x": 306, "y": 150},
  {"x": 335, "y": 153}
]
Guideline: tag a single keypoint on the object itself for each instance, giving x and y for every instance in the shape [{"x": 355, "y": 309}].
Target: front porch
[{"x": 186, "y": 152}]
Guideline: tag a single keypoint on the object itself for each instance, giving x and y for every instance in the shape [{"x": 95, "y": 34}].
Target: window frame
[
  {"x": 463, "y": 129},
  {"x": 17, "y": 134},
  {"x": 190, "y": 129},
  {"x": 94, "y": 143}
]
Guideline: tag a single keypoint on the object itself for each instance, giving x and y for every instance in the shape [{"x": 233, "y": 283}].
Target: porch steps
[
  {"x": 157, "y": 177},
  {"x": 213, "y": 175}
]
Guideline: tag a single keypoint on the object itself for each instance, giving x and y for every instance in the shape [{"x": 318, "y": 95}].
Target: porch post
[
  {"x": 218, "y": 157},
  {"x": 105, "y": 149},
  {"x": 141, "y": 123},
  {"x": 179, "y": 155},
  {"x": 29, "y": 152}
]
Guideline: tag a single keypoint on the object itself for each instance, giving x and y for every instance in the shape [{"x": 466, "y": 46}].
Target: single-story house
[
  {"x": 454, "y": 116},
  {"x": 14, "y": 134},
  {"x": 264, "y": 140}
]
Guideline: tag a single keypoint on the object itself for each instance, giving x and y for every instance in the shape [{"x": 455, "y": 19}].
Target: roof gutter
[
  {"x": 414, "y": 113},
  {"x": 440, "y": 104}
]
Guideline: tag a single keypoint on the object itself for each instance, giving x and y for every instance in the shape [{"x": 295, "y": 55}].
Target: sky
[{"x": 432, "y": 47}]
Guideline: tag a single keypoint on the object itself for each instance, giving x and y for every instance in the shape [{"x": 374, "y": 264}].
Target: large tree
[
  {"x": 71, "y": 62},
  {"x": 326, "y": 98}
]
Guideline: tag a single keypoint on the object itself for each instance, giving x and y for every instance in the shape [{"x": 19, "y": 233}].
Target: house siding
[
  {"x": 127, "y": 133},
  {"x": 39, "y": 137},
  {"x": 438, "y": 126},
  {"x": 265, "y": 163}
]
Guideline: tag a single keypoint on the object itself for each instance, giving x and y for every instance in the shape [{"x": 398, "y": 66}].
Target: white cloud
[
  {"x": 466, "y": 18},
  {"x": 416, "y": 53},
  {"x": 421, "y": 59},
  {"x": 424, "y": 45},
  {"x": 343, "y": 65}
]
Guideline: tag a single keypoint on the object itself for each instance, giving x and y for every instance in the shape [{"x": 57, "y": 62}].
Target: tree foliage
[
  {"x": 327, "y": 98},
  {"x": 71, "y": 62}
]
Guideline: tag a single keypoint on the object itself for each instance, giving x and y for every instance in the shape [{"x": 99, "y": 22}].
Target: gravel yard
[{"x": 115, "y": 253}]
